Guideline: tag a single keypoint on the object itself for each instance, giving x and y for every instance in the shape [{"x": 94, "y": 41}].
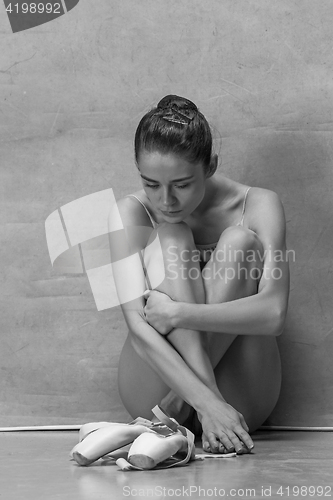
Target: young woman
[{"x": 202, "y": 344}]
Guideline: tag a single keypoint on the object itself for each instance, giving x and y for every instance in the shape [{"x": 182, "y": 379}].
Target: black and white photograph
[{"x": 166, "y": 261}]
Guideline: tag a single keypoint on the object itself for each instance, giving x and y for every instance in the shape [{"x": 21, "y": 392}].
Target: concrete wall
[{"x": 71, "y": 94}]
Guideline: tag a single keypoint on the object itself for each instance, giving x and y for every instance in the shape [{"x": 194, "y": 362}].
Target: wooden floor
[{"x": 36, "y": 466}]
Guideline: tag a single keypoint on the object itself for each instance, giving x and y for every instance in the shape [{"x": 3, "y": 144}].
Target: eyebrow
[{"x": 175, "y": 180}]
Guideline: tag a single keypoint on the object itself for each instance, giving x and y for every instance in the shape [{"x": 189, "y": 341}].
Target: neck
[
  {"x": 209, "y": 198},
  {"x": 219, "y": 191}
]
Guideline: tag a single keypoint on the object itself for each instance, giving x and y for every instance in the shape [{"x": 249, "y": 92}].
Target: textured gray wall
[{"x": 72, "y": 92}]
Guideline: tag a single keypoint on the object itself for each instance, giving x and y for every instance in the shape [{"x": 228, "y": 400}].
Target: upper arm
[
  {"x": 269, "y": 224},
  {"x": 135, "y": 232},
  {"x": 126, "y": 246}
]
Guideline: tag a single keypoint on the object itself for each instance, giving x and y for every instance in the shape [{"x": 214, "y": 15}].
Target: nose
[{"x": 168, "y": 199}]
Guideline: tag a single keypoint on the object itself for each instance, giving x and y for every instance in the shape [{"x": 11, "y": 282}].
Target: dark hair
[{"x": 175, "y": 126}]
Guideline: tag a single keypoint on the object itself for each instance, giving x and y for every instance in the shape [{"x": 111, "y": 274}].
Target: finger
[
  {"x": 244, "y": 436},
  {"x": 146, "y": 294},
  {"x": 226, "y": 442},
  {"x": 238, "y": 446},
  {"x": 244, "y": 424},
  {"x": 213, "y": 442},
  {"x": 247, "y": 441},
  {"x": 244, "y": 450}
]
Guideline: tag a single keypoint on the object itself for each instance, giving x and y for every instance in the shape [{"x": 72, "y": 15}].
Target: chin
[{"x": 173, "y": 220}]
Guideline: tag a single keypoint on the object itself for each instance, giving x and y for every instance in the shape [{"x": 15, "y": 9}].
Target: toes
[
  {"x": 205, "y": 444},
  {"x": 222, "y": 448},
  {"x": 207, "y": 449}
]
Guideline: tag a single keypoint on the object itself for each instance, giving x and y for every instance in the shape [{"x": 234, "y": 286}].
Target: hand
[
  {"x": 223, "y": 426},
  {"x": 158, "y": 311}
]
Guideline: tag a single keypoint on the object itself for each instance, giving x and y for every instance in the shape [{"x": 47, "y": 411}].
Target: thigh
[
  {"x": 249, "y": 377},
  {"x": 140, "y": 387},
  {"x": 234, "y": 268},
  {"x": 221, "y": 285},
  {"x": 174, "y": 252}
]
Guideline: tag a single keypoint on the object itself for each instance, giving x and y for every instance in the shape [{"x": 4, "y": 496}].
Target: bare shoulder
[
  {"x": 136, "y": 227},
  {"x": 265, "y": 212},
  {"x": 132, "y": 212},
  {"x": 262, "y": 195},
  {"x": 261, "y": 200}
]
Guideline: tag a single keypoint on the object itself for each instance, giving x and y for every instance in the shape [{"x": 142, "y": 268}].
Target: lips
[{"x": 174, "y": 213}]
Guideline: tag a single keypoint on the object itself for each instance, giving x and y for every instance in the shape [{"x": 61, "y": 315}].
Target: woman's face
[{"x": 174, "y": 186}]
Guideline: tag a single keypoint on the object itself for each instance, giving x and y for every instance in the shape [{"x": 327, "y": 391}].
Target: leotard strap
[
  {"x": 153, "y": 222},
  {"x": 241, "y": 222}
]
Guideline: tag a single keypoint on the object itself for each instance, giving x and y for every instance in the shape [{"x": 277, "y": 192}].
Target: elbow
[
  {"x": 140, "y": 344},
  {"x": 277, "y": 321},
  {"x": 136, "y": 343}
]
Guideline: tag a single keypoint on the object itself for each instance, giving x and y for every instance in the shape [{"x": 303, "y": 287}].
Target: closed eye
[{"x": 155, "y": 186}]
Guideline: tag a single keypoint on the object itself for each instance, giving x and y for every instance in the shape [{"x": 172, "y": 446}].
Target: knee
[
  {"x": 178, "y": 235},
  {"x": 168, "y": 243},
  {"x": 240, "y": 238}
]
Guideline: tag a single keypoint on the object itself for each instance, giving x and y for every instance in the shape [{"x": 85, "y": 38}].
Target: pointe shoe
[
  {"x": 167, "y": 439},
  {"x": 104, "y": 440},
  {"x": 88, "y": 428},
  {"x": 148, "y": 450}
]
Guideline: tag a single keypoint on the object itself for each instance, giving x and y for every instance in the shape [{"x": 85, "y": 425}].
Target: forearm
[
  {"x": 254, "y": 315},
  {"x": 169, "y": 365}
]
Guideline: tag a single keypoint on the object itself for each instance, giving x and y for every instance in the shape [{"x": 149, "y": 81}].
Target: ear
[{"x": 212, "y": 166}]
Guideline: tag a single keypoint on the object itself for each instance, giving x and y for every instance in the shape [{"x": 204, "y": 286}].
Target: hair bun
[
  {"x": 177, "y": 109},
  {"x": 170, "y": 101}
]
